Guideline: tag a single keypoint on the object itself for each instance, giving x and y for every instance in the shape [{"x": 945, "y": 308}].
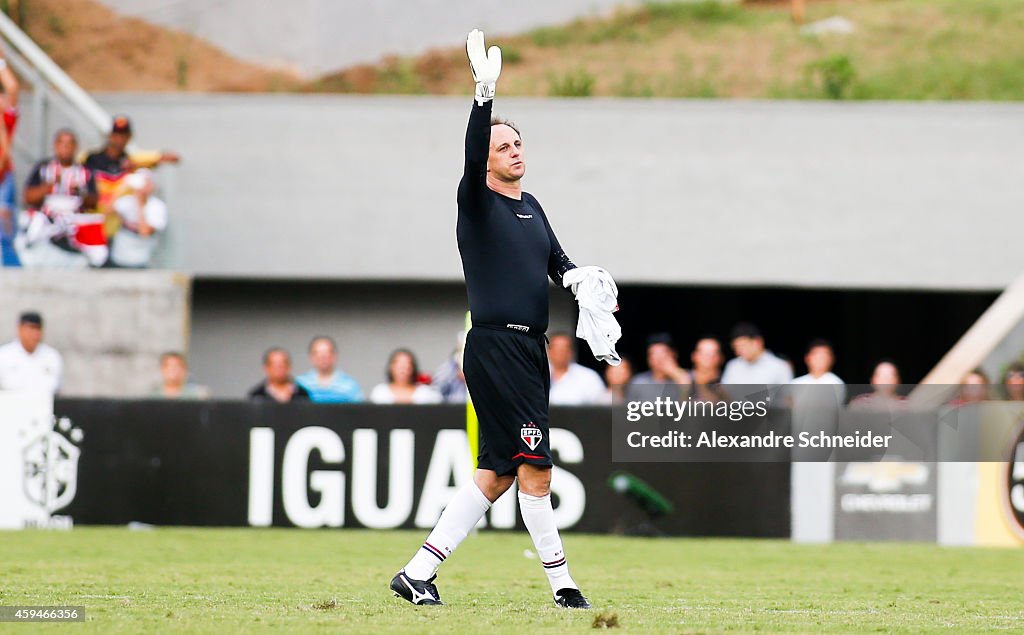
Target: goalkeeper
[{"x": 508, "y": 252}]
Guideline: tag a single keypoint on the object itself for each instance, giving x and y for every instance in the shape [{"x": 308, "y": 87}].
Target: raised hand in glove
[{"x": 486, "y": 65}]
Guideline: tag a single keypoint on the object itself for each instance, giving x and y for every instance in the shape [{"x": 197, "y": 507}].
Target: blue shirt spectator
[
  {"x": 325, "y": 383},
  {"x": 340, "y": 388}
]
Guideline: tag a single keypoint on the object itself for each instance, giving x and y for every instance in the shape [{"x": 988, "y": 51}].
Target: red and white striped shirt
[{"x": 69, "y": 180}]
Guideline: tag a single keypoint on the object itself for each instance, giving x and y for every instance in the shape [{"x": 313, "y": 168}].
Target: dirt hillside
[{"x": 102, "y": 50}]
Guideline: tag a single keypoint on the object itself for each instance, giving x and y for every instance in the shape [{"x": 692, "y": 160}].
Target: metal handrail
[{"x": 46, "y": 69}]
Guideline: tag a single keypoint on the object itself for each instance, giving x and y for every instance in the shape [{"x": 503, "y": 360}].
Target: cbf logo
[
  {"x": 531, "y": 435},
  {"x": 1015, "y": 484},
  {"x": 50, "y": 458}
]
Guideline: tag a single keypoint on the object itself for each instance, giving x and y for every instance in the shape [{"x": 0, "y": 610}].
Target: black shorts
[{"x": 509, "y": 380}]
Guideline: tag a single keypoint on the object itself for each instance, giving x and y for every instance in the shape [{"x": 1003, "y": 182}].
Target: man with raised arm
[{"x": 508, "y": 252}]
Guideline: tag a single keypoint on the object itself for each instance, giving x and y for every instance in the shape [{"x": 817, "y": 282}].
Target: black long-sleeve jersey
[{"x": 507, "y": 246}]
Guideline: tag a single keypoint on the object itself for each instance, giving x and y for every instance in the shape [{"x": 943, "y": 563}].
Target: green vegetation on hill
[{"x": 900, "y": 49}]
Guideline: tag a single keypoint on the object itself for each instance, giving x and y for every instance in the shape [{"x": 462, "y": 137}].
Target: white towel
[{"x": 597, "y": 296}]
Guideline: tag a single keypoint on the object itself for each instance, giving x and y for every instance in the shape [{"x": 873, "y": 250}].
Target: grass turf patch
[{"x": 251, "y": 580}]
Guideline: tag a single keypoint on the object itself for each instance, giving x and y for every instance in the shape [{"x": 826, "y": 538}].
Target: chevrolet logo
[{"x": 886, "y": 476}]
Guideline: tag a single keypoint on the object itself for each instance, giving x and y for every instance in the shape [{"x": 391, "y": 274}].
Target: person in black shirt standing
[
  {"x": 113, "y": 159},
  {"x": 278, "y": 384},
  {"x": 508, "y": 253}
]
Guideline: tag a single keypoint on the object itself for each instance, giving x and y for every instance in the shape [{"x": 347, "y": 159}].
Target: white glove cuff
[{"x": 484, "y": 92}]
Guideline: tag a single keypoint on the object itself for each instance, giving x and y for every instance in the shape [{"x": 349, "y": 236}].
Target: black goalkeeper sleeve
[{"x": 507, "y": 245}]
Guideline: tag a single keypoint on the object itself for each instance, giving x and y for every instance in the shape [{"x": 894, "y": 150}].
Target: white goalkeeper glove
[{"x": 486, "y": 65}]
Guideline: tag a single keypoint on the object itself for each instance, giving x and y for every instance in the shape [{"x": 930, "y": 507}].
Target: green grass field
[{"x": 246, "y": 580}]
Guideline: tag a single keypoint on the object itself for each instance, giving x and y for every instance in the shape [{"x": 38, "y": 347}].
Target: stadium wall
[
  {"x": 110, "y": 326},
  {"x": 675, "y": 192}
]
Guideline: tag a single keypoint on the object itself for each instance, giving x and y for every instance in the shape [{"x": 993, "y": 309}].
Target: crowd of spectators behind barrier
[
  {"x": 28, "y": 364},
  {"x": 79, "y": 210}
]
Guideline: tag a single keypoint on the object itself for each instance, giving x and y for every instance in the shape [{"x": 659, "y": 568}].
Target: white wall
[{"x": 891, "y": 196}]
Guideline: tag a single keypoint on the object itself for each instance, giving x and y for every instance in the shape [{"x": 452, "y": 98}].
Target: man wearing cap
[
  {"x": 27, "y": 364},
  {"x": 753, "y": 364},
  {"x": 113, "y": 161}
]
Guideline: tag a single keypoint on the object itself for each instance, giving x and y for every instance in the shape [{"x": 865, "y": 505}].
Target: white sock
[
  {"x": 539, "y": 518},
  {"x": 461, "y": 515}
]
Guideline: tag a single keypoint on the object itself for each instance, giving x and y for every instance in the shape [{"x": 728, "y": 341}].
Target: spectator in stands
[
  {"x": 57, "y": 190},
  {"x": 449, "y": 379},
  {"x": 1013, "y": 382},
  {"x": 754, "y": 364},
  {"x": 278, "y": 384},
  {"x": 885, "y": 381},
  {"x": 571, "y": 383},
  {"x": 113, "y": 162},
  {"x": 820, "y": 359},
  {"x": 61, "y": 175},
  {"x": 973, "y": 388},
  {"x": 27, "y": 364},
  {"x": 325, "y": 383},
  {"x": 113, "y": 159},
  {"x": 617, "y": 378},
  {"x": 143, "y": 217},
  {"x": 174, "y": 383},
  {"x": 707, "y": 369},
  {"x": 8, "y": 194},
  {"x": 663, "y": 371},
  {"x": 403, "y": 385}
]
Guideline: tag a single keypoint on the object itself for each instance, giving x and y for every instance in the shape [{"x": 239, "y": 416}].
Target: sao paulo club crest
[{"x": 531, "y": 435}]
